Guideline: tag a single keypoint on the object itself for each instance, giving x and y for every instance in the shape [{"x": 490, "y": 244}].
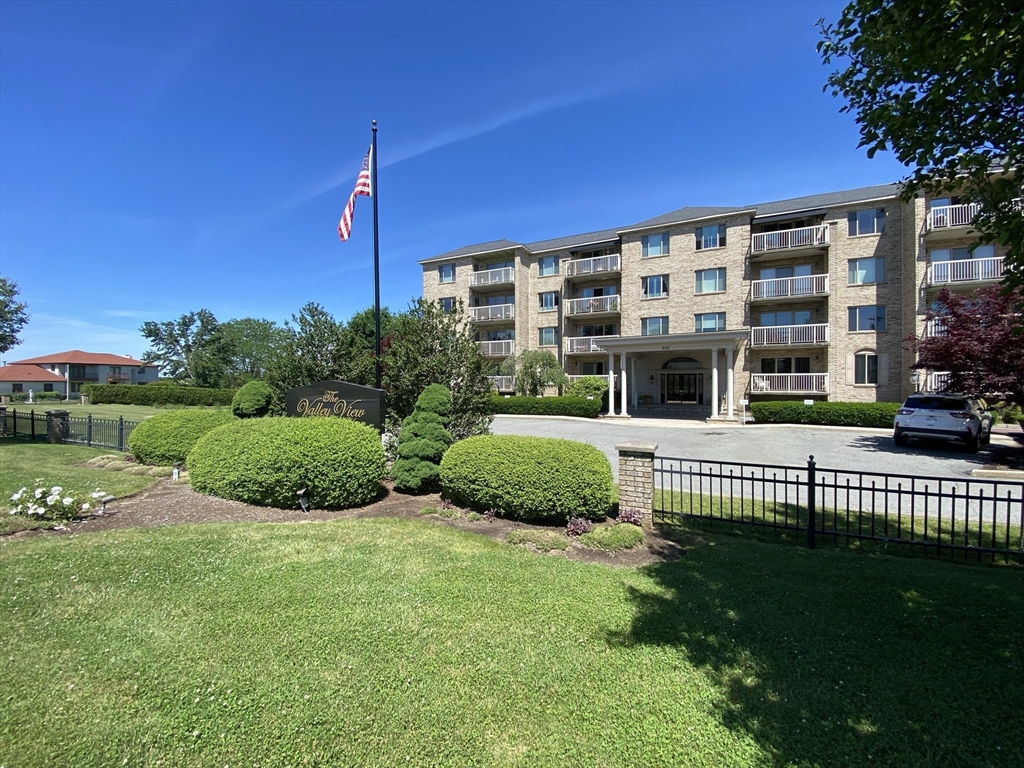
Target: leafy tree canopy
[
  {"x": 534, "y": 369},
  {"x": 256, "y": 343},
  {"x": 937, "y": 82},
  {"x": 979, "y": 347},
  {"x": 192, "y": 350},
  {"x": 12, "y": 315}
]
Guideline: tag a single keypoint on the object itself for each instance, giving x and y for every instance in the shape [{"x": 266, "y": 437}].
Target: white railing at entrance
[
  {"x": 577, "y": 344},
  {"x": 789, "y": 382}
]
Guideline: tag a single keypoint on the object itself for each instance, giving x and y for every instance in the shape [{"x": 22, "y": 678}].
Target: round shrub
[
  {"x": 168, "y": 437},
  {"x": 588, "y": 386},
  {"x": 529, "y": 478},
  {"x": 266, "y": 462},
  {"x": 613, "y": 537},
  {"x": 252, "y": 400}
]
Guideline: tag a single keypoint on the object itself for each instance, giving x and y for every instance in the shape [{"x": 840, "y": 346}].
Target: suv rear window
[{"x": 936, "y": 403}]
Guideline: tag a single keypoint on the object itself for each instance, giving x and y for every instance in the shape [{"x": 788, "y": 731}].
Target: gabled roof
[
  {"x": 690, "y": 213},
  {"x": 574, "y": 241},
  {"x": 826, "y": 200},
  {"x": 473, "y": 250},
  {"x": 28, "y": 373},
  {"x": 78, "y": 357}
]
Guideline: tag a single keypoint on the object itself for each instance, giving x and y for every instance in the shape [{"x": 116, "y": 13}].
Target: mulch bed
[{"x": 170, "y": 503}]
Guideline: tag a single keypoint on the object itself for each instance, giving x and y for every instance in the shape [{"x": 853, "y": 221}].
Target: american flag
[{"x": 362, "y": 188}]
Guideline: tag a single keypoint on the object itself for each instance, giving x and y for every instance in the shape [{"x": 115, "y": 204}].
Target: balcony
[
  {"x": 944, "y": 217},
  {"x": 492, "y": 312},
  {"x": 789, "y": 383},
  {"x": 503, "y": 383},
  {"x": 492, "y": 278},
  {"x": 965, "y": 271},
  {"x": 599, "y": 265},
  {"x": 594, "y": 305},
  {"x": 935, "y": 381},
  {"x": 788, "y": 241},
  {"x": 934, "y": 327},
  {"x": 807, "y": 286},
  {"x": 789, "y": 335},
  {"x": 505, "y": 348},
  {"x": 118, "y": 378},
  {"x": 575, "y": 345}
]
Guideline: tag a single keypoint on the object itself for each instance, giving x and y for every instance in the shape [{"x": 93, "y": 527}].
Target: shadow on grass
[{"x": 840, "y": 659}]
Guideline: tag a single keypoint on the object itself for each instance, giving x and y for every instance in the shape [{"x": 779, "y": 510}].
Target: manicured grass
[
  {"x": 23, "y": 463},
  {"x": 390, "y": 642},
  {"x": 105, "y": 411}
]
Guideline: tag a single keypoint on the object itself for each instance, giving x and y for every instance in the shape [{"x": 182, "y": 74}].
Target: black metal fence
[
  {"x": 937, "y": 516},
  {"x": 90, "y": 431}
]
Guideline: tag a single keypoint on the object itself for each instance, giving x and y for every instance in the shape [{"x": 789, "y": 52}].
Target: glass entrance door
[{"x": 682, "y": 388}]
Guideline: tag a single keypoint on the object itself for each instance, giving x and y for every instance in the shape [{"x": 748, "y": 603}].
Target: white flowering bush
[{"x": 53, "y": 503}]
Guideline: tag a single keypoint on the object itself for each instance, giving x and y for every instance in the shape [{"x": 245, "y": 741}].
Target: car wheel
[
  {"x": 986, "y": 438},
  {"x": 972, "y": 443},
  {"x": 900, "y": 439}
]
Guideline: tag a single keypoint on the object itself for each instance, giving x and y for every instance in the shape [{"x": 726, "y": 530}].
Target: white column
[
  {"x": 730, "y": 409},
  {"x": 632, "y": 383},
  {"x": 625, "y": 374},
  {"x": 714, "y": 382},
  {"x": 611, "y": 384}
]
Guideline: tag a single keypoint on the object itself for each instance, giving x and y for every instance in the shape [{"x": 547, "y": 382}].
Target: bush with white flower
[{"x": 53, "y": 503}]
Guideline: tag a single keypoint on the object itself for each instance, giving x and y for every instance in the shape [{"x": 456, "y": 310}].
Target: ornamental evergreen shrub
[
  {"x": 266, "y": 462},
  {"x": 548, "y": 406},
  {"x": 528, "y": 478},
  {"x": 422, "y": 441},
  {"x": 613, "y": 537},
  {"x": 252, "y": 400},
  {"x": 879, "y": 415},
  {"x": 588, "y": 386},
  {"x": 156, "y": 394},
  {"x": 168, "y": 437}
]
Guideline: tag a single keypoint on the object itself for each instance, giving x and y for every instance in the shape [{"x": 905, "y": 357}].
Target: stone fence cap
[{"x": 636, "y": 447}]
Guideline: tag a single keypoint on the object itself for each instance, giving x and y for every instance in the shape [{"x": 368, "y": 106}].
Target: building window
[
  {"x": 142, "y": 370},
  {"x": 863, "y": 271},
  {"x": 710, "y": 280},
  {"x": 547, "y": 265},
  {"x": 447, "y": 304},
  {"x": 961, "y": 254},
  {"x": 785, "y": 365},
  {"x": 593, "y": 369},
  {"x": 775, "y": 319},
  {"x": 655, "y": 286},
  {"x": 865, "y": 368},
  {"x": 870, "y": 221},
  {"x": 709, "y": 321},
  {"x": 608, "y": 329},
  {"x": 867, "y": 318},
  {"x": 547, "y": 337},
  {"x": 549, "y": 301},
  {"x": 48, "y": 387},
  {"x": 653, "y": 326},
  {"x": 654, "y": 245},
  {"x": 710, "y": 237},
  {"x": 17, "y": 387},
  {"x": 446, "y": 273}
]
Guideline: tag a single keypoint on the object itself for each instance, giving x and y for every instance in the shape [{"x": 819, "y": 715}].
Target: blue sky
[{"x": 158, "y": 158}]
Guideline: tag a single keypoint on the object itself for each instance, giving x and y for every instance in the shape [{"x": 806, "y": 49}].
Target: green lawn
[
  {"x": 383, "y": 642},
  {"x": 129, "y": 412},
  {"x": 23, "y": 463}
]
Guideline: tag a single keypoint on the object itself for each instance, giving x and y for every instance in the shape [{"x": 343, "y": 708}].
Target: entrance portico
[{"x": 689, "y": 370}]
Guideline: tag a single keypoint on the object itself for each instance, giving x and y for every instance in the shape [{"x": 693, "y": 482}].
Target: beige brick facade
[{"x": 789, "y": 287}]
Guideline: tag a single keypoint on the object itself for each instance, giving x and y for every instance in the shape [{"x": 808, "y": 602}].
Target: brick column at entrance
[
  {"x": 636, "y": 479},
  {"x": 58, "y": 426}
]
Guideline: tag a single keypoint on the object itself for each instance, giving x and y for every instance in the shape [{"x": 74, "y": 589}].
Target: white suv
[{"x": 943, "y": 417}]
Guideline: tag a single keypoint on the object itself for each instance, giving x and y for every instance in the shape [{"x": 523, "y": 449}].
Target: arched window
[{"x": 682, "y": 363}]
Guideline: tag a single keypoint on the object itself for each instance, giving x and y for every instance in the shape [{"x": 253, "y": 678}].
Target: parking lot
[{"x": 858, "y": 450}]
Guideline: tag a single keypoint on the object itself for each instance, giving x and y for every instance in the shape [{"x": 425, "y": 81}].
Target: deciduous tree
[
  {"x": 534, "y": 369},
  {"x": 938, "y": 82},
  {"x": 256, "y": 343},
  {"x": 12, "y": 315},
  {"x": 192, "y": 350}
]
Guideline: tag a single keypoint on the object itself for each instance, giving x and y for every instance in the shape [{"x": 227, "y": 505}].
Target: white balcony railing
[
  {"x": 936, "y": 381},
  {"x": 789, "y": 382},
  {"x": 783, "y": 287},
  {"x": 577, "y": 344},
  {"x": 492, "y": 277},
  {"x": 497, "y": 348},
  {"x": 791, "y": 335},
  {"x": 935, "y": 327},
  {"x": 503, "y": 383},
  {"x": 945, "y": 216},
  {"x": 594, "y": 266},
  {"x": 789, "y": 238},
  {"x": 492, "y": 312},
  {"x": 592, "y": 305},
  {"x": 965, "y": 270}
]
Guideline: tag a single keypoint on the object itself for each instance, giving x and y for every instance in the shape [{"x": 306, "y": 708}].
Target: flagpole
[{"x": 376, "y": 254}]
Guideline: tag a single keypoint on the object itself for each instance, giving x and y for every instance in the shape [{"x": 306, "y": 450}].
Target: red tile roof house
[
  {"x": 25, "y": 378},
  {"x": 76, "y": 368}
]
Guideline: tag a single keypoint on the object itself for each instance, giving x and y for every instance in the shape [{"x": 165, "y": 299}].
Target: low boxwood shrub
[
  {"x": 548, "y": 406},
  {"x": 826, "y": 413},
  {"x": 156, "y": 394},
  {"x": 266, "y": 462},
  {"x": 613, "y": 537},
  {"x": 252, "y": 400},
  {"x": 168, "y": 437},
  {"x": 528, "y": 478}
]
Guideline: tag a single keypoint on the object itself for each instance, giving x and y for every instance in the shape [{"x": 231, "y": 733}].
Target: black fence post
[
  {"x": 120, "y": 433},
  {"x": 88, "y": 430},
  {"x": 811, "y": 512},
  {"x": 32, "y": 421}
]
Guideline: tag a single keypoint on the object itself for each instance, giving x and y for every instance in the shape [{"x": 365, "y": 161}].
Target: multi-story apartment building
[{"x": 809, "y": 298}]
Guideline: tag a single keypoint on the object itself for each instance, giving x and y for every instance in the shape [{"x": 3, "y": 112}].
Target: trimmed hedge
[
  {"x": 156, "y": 394},
  {"x": 252, "y": 400},
  {"x": 548, "y": 406},
  {"x": 339, "y": 462},
  {"x": 837, "y": 414},
  {"x": 168, "y": 437},
  {"x": 528, "y": 478}
]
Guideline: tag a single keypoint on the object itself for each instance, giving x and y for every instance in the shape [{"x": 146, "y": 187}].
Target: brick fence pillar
[
  {"x": 636, "y": 479},
  {"x": 58, "y": 426}
]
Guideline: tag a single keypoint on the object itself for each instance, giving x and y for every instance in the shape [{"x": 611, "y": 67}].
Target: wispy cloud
[{"x": 133, "y": 313}]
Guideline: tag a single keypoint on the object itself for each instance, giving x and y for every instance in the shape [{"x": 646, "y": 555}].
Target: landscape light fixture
[
  {"x": 103, "y": 503},
  {"x": 303, "y": 501}
]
